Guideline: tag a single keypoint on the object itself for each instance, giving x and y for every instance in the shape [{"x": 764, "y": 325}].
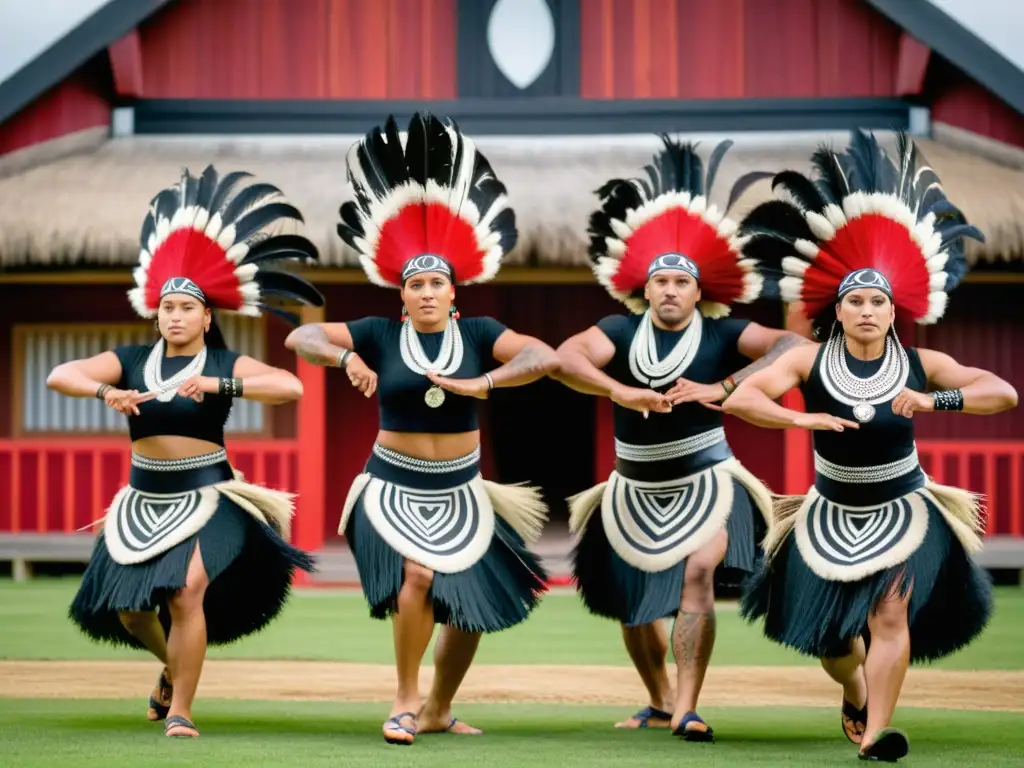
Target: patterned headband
[
  {"x": 183, "y": 285},
  {"x": 865, "y": 278},
  {"x": 427, "y": 262},
  {"x": 674, "y": 261}
]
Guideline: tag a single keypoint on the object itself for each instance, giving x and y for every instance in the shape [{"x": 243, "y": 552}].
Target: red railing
[
  {"x": 992, "y": 468},
  {"x": 61, "y": 485}
]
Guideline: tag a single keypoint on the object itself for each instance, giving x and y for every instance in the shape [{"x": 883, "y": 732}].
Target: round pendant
[
  {"x": 863, "y": 412},
  {"x": 434, "y": 397}
]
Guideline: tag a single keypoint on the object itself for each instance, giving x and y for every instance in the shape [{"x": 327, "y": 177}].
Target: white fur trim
[
  {"x": 937, "y": 281},
  {"x": 820, "y": 226},
  {"x": 214, "y": 227},
  {"x": 807, "y": 248},
  {"x": 615, "y": 247},
  {"x": 237, "y": 252},
  {"x": 835, "y": 216},
  {"x": 621, "y": 228},
  {"x": 937, "y": 301},
  {"x": 714, "y": 310},
  {"x": 226, "y": 238},
  {"x": 790, "y": 288},
  {"x": 795, "y": 267}
]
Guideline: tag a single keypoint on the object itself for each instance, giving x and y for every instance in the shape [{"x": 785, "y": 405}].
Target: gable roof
[
  {"x": 920, "y": 18},
  {"x": 958, "y": 45},
  {"x": 110, "y": 22}
]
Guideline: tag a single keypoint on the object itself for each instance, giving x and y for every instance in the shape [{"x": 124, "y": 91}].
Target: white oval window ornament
[{"x": 521, "y": 39}]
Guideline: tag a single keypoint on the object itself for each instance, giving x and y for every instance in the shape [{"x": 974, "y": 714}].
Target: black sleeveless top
[
  {"x": 886, "y": 438},
  {"x": 400, "y": 390},
  {"x": 181, "y": 416},
  {"x": 717, "y": 357}
]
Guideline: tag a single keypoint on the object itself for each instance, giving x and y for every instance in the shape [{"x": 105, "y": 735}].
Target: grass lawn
[
  {"x": 335, "y": 626},
  {"x": 108, "y": 734}
]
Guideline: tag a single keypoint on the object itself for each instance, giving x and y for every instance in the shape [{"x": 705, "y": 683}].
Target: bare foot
[
  {"x": 649, "y": 717},
  {"x": 443, "y": 722}
]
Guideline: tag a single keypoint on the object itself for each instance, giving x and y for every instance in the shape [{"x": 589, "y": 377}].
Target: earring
[
  {"x": 405, "y": 313},
  {"x": 453, "y": 313}
]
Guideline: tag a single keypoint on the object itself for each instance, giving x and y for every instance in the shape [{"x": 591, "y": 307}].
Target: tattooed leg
[{"x": 693, "y": 636}]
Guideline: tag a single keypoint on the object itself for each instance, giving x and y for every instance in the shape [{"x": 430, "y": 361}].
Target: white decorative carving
[{"x": 521, "y": 39}]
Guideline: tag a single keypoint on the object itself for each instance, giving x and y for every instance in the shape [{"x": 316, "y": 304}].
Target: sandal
[
  {"x": 164, "y": 690},
  {"x": 475, "y": 732},
  {"x": 396, "y": 733},
  {"x": 854, "y": 721},
  {"x": 177, "y": 721},
  {"x": 889, "y": 746},
  {"x": 645, "y": 715},
  {"x": 700, "y": 732}
]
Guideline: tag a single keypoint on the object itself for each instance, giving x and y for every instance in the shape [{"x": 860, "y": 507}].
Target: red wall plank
[
  {"x": 314, "y": 49},
  {"x": 74, "y": 105},
  {"x": 959, "y": 101},
  {"x": 694, "y": 49}
]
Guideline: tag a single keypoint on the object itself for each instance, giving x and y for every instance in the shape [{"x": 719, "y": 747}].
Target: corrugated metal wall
[{"x": 46, "y": 411}]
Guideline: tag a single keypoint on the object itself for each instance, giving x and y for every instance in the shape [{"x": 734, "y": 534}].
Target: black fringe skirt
[
  {"x": 612, "y": 588},
  {"x": 950, "y": 598},
  {"x": 249, "y": 565},
  {"x": 496, "y": 591}
]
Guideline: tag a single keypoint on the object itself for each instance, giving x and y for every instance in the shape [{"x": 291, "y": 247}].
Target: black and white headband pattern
[
  {"x": 183, "y": 285},
  {"x": 865, "y": 278},
  {"x": 675, "y": 261},
  {"x": 428, "y": 262}
]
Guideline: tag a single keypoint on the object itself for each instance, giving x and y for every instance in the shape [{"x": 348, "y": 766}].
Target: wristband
[
  {"x": 230, "y": 387},
  {"x": 343, "y": 358},
  {"x": 101, "y": 393},
  {"x": 948, "y": 400},
  {"x": 490, "y": 382}
]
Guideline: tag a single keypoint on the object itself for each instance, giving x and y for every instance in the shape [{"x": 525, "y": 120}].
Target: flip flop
[
  {"x": 858, "y": 717},
  {"x": 161, "y": 709},
  {"x": 177, "y": 721},
  {"x": 456, "y": 720},
  {"x": 394, "y": 724},
  {"x": 647, "y": 713},
  {"x": 694, "y": 734},
  {"x": 889, "y": 746}
]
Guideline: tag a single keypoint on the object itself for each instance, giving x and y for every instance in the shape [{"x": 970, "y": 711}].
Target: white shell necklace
[
  {"x": 152, "y": 373},
  {"x": 447, "y": 362},
  {"x": 863, "y": 393},
  {"x": 644, "y": 363}
]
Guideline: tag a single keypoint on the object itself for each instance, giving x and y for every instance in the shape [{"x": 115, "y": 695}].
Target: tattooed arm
[
  {"x": 764, "y": 346},
  {"x": 525, "y": 359},
  {"x": 320, "y": 343}
]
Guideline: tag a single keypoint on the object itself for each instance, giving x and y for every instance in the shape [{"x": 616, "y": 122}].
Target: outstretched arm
[
  {"x": 983, "y": 392},
  {"x": 582, "y": 357},
  {"x": 97, "y": 376},
  {"x": 764, "y": 346},
  {"x": 525, "y": 359},
  {"x": 320, "y": 343},
  {"x": 753, "y": 400},
  {"x": 83, "y": 378}
]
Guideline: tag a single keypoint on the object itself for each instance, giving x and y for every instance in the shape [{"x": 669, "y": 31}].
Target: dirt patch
[{"x": 724, "y": 686}]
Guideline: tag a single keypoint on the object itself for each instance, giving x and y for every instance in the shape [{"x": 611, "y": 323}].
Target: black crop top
[
  {"x": 400, "y": 390},
  {"x": 181, "y": 416},
  {"x": 717, "y": 357},
  {"x": 886, "y": 438}
]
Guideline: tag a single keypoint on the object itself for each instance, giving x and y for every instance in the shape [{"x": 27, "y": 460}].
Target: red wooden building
[{"x": 561, "y": 94}]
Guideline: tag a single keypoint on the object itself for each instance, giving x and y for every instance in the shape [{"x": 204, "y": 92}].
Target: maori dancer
[
  {"x": 433, "y": 541},
  {"x": 678, "y": 505},
  {"x": 871, "y": 570},
  {"x": 190, "y": 554}
]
